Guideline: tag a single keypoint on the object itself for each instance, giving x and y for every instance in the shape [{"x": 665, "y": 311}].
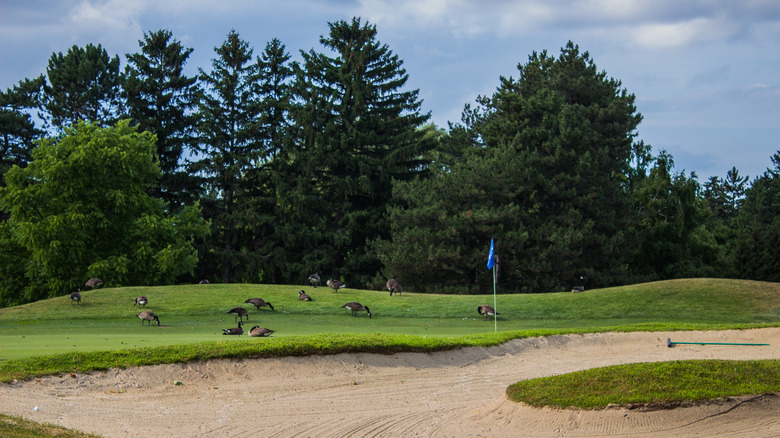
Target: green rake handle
[{"x": 669, "y": 343}]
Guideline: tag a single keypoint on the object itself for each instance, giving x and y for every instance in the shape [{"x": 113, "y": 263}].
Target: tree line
[{"x": 261, "y": 169}]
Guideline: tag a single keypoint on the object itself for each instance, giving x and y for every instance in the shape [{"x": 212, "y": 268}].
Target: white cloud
[{"x": 665, "y": 35}]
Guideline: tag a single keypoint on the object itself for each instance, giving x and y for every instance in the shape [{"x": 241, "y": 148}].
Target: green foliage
[
  {"x": 160, "y": 99},
  {"x": 17, "y": 128},
  {"x": 81, "y": 210},
  {"x": 357, "y": 131},
  {"x": 671, "y": 241},
  {"x": 83, "y": 85},
  {"x": 546, "y": 177},
  {"x": 230, "y": 146},
  {"x": 756, "y": 252},
  {"x": 659, "y": 385}
]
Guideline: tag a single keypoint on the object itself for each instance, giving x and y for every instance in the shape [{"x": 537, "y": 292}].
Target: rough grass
[
  {"x": 657, "y": 385},
  {"x": 16, "y": 427}
]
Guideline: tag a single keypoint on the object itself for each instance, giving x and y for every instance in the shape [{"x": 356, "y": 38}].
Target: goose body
[
  {"x": 260, "y": 332},
  {"x": 141, "y": 301},
  {"x": 148, "y": 315},
  {"x": 93, "y": 282},
  {"x": 203, "y": 282},
  {"x": 259, "y": 302},
  {"x": 335, "y": 284},
  {"x": 302, "y": 296},
  {"x": 239, "y": 312},
  {"x": 314, "y": 279},
  {"x": 486, "y": 311},
  {"x": 578, "y": 289},
  {"x": 356, "y": 307},
  {"x": 75, "y": 296},
  {"x": 393, "y": 286},
  {"x": 235, "y": 330}
]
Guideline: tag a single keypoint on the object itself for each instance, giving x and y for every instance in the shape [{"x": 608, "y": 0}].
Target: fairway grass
[{"x": 55, "y": 336}]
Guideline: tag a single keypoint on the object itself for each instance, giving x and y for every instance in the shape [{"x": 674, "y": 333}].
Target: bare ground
[{"x": 449, "y": 394}]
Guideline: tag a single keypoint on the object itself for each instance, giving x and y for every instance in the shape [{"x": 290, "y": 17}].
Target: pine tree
[
  {"x": 161, "y": 100},
  {"x": 84, "y": 84},
  {"x": 17, "y": 126},
  {"x": 548, "y": 176},
  {"x": 231, "y": 145},
  {"x": 358, "y": 130},
  {"x": 756, "y": 249}
]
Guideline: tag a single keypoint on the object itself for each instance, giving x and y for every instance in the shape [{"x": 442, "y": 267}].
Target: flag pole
[
  {"x": 495, "y": 313},
  {"x": 491, "y": 264}
]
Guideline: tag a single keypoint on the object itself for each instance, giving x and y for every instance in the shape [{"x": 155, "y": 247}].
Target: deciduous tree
[{"x": 81, "y": 209}]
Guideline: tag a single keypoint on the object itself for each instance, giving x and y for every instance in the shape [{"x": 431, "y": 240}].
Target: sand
[{"x": 458, "y": 393}]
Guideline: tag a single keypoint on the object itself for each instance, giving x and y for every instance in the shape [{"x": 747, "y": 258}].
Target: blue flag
[{"x": 491, "y": 256}]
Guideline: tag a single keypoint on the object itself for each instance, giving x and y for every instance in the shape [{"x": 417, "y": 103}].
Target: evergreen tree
[
  {"x": 670, "y": 238},
  {"x": 161, "y": 99},
  {"x": 275, "y": 76},
  {"x": 548, "y": 177},
  {"x": 756, "y": 253},
  {"x": 84, "y": 84},
  {"x": 231, "y": 145},
  {"x": 358, "y": 130},
  {"x": 16, "y": 124}
]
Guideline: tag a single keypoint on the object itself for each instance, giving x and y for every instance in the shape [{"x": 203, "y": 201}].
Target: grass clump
[
  {"x": 16, "y": 427},
  {"x": 654, "y": 385}
]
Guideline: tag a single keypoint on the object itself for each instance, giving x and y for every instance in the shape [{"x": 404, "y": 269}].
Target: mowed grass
[
  {"x": 55, "y": 336},
  {"x": 106, "y": 319}
]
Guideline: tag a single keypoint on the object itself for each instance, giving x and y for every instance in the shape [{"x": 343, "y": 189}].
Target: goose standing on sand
[
  {"x": 260, "y": 332},
  {"x": 235, "y": 330},
  {"x": 302, "y": 296},
  {"x": 141, "y": 301},
  {"x": 486, "y": 311},
  {"x": 259, "y": 302},
  {"x": 356, "y": 307},
  {"x": 314, "y": 279},
  {"x": 75, "y": 296},
  {"x": 335, "y": 284},
  {"x": 393, "y": 286},
  {"x": 148, "y": 315},
  {"x": 239, "y": 312}
]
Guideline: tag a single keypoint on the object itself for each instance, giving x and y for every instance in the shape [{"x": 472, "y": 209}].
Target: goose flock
[{"x": 240, "y": 312}]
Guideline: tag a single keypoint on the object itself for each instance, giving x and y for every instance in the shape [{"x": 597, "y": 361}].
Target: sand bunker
[{"x": 449, "y": 394}]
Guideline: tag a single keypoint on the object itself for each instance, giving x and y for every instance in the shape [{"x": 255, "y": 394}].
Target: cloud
[{"x": 684, "y": 33}]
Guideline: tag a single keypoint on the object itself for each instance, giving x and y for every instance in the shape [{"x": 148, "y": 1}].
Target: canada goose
[
  {"x": 581, "y": 286},
  {"x": 203, "y": 282},
  {"x": 259, "y": 302},
  {"x": 240, "y": 312},
  {"x": 141, "y": 301},
  {"x": 75, "y": 296},
  {"x": 335, "y": 284},
  {"x": 486, "y": 311},
  {"x": 302, "y": 296},
  {"x": 235, "y": 330},
  {"x": 393, "y": 286},
  {"x": 314, "y": 279},
  {"x": 260, "y": 332},
  {"x": 356, "y": 307},
  {"x": 93, "y": 282},
  {"x": 148, "y": 315}
]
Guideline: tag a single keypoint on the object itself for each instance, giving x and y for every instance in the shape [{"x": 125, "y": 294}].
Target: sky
[{"x": 705, "y": 73}]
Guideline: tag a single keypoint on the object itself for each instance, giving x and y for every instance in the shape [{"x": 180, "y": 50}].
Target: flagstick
[{"x": 495, "y": 311}]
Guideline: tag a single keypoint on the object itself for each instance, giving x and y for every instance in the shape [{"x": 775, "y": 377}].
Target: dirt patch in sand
[{"x": 457, "y": 393}]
